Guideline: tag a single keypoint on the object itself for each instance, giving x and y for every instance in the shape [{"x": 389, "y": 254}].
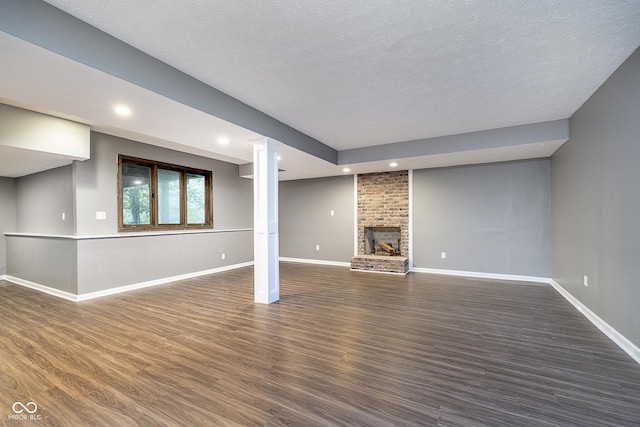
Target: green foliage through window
[
  {"x": 196, "y": 208},
  {"x": 135, "y": 194}
]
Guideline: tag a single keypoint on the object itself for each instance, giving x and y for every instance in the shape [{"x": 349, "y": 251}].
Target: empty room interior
[{"x": 312, "y": 214}]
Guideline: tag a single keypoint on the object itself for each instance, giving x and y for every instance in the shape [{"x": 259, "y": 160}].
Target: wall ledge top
[{"x": 123, "y": 235}]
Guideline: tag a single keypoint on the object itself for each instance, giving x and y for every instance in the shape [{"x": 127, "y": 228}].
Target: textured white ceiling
[{"x": 352, "y": 73}]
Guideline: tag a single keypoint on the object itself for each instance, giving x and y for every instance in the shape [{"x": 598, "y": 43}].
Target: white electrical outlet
[
  {"x": 223, "y": 256},
  {"x": 443, "y": 255},
  {"x": 332, "y": 213},
  {"x": 317, "y": 247},
  {"x": 64, "y": 216},
  {"x": 586, "y": 280},
  {"x": 101, "y": 215}
]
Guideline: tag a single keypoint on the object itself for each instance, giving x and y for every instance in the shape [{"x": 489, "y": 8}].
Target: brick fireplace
[{"x": 383, "y": 215}]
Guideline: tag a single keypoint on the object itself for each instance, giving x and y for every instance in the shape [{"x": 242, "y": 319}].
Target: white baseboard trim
[
  {"x": 120, "y": 289},
  {"x": 42, "y": 288},
  {"x": 316, "y": 261},
  {"x": 512, "y": 277},
  {"x": 621, "y": 341},
  {"x": 3, "y": 277},
  {"x": 135, "y": 286}
]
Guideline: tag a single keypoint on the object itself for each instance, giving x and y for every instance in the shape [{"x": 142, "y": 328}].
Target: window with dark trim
[{"x": 162, "y": 196}]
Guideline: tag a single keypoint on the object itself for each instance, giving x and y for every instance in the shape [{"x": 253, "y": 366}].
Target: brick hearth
[{"x": 380, "y": 263}]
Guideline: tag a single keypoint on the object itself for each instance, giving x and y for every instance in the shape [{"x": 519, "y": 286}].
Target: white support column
[
  {"x": 265, "y": 221},
  {"x": 410, "y": 254},
  {"x": 355, "y": 214}
]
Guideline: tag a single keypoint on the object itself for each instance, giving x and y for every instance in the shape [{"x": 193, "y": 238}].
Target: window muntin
[{"x": 160, "y": 196}]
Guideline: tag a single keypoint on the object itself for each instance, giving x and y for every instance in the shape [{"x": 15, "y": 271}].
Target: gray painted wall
[
  {"x": 305, "y": 218},
  {"x": 42, "y": 198},
  {"x": 99, "y": 263},
  {"x": 110, "y": 263},
  {"x": 46, "y": 261},
  {"x": 596, "y": 202},
  {"x": 96, "y": 185},
  {"x": 491, "y": 218},
  {"x": 113, "y": 262},
  {"x": 8, "y": 221}
]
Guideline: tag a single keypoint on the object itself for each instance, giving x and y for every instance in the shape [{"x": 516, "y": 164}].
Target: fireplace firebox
[{"x": 382, "y": 241}]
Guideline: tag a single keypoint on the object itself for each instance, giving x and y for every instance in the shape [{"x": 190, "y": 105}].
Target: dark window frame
[{"x": 154, "y": 166}]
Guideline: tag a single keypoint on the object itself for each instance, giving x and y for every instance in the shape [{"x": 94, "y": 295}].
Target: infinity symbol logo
[{"x": 20, "y": 407}]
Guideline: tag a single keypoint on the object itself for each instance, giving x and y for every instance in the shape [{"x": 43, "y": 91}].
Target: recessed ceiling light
[
  {"x": 223, "y": 140},
  {"x": 345, "y": 170},
  {"x": 393, "y": 164},
  {"x": 122, "y": 110}
]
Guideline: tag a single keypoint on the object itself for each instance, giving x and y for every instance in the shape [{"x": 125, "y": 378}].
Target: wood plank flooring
[{"x": 340, "y": 348}]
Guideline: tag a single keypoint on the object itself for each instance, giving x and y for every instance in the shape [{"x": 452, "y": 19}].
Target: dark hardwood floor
[{"x": 340, "y": 348}]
